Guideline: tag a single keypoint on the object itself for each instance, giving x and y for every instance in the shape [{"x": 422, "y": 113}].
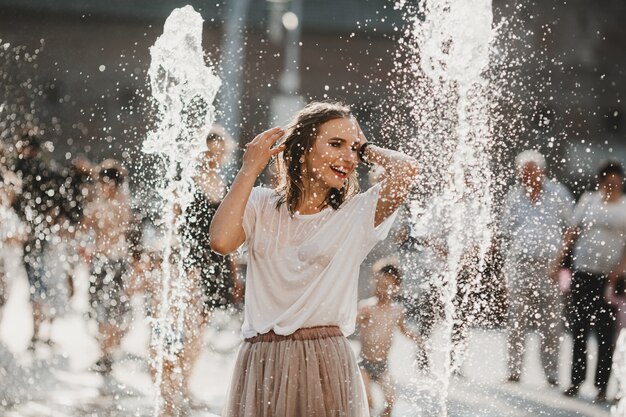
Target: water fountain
[
  {"x": 447, "y": 90},
  {"x": 183, "y": 88},
  {"x": 450, "y": 54},
  {"x": 448, "y": 46}
]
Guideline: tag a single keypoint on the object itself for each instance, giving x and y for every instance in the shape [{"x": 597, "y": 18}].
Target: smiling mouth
[{"x": 341, "y": 172}]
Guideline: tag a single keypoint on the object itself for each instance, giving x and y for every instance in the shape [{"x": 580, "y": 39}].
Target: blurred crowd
[
  {"x": 54, "y": 219},
  {"x": 554, "y": 265}
]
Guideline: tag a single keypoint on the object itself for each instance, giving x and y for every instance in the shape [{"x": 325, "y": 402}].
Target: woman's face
[
  {"x": 334, "y": 156},
  {"x": 214, "y": 155},
  {"x": 611, "y": 183}
]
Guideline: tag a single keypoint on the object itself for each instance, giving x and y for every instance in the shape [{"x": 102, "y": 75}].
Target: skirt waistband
[{"x": 307, "y": 333}]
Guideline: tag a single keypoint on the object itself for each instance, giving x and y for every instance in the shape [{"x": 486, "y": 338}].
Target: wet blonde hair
[{"x": 299, "y": 142}]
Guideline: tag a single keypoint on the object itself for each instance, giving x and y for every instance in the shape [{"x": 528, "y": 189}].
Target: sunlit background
[{"x": 75, "y": 73}]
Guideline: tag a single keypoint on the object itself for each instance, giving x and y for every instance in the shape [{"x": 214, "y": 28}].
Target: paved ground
[{"x": 58, "y": 384}]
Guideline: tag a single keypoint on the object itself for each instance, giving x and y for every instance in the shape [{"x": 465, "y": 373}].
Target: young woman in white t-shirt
[{"x": 305, "y": 241}]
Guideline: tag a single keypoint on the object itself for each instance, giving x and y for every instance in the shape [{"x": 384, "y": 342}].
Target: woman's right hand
[{"x": 259, "y": 151}]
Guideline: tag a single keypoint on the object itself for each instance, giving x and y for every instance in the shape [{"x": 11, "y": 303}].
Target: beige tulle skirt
[{"x": 312, "y": 372}]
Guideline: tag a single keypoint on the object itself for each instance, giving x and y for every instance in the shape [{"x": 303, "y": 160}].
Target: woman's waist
[{"x": 305, "y": 333}]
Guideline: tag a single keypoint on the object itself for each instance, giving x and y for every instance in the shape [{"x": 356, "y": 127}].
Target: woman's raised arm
[
  {"x": 401, "y": 171},
  {"x": 226, "y": 231}
]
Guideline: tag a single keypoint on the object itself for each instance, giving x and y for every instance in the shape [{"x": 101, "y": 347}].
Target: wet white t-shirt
[
  {"x": 303, "y": 270},
  {"x": 602, "y": 240}
]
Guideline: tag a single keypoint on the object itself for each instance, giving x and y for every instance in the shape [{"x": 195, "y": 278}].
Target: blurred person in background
[
  {"x": 74, "y": 191},
  {"x": 215, "y": 284},
  {"x": 107, "y": 218},
  {"x": 33, "y": 205},
  {"x": 12, "y": 236},
  {"x": 60, "y": 252},
  {"x": 434, "y": 250},
  {"x": 598, "y": 237},
  {"x": 537, "y": 212}
]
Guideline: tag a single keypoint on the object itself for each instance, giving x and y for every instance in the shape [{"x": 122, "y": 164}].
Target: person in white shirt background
[
  {"x": 537, "y": 212},
  {"x": 305, "y": 243},
  {"x": 598, "y": 236}
]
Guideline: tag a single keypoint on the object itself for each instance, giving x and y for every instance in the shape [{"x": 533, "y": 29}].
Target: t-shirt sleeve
[
  {"x": 252, "y": 210},
  {"x": 369, "y": 202},
  {"x": 579, "y": 211},
  {"x": 567, "y": 205}
]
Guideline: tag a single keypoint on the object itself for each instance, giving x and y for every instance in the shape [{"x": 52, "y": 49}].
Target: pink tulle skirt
[{"x": 312, "y": 372}]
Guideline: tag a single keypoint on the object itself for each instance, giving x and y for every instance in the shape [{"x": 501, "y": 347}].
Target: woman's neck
[
  {"x": 313, "y": 198},
  {"x": 211, "y": 184},
  {"x": 611, "y": 196}
]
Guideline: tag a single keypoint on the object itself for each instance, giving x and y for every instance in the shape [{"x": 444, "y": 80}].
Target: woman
[
  {"x": 305, "y": 242},
  {"x": 216, "y": 272},
  {"x": 215, "y": 275},
  {"x": 599, "y": 233}
]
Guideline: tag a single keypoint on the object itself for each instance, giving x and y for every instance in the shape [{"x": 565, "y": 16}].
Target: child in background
[{"x": 377, "y": 323}]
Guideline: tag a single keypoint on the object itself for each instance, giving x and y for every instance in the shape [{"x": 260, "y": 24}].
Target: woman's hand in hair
[
  {"x": 259, "y": 152},
  {"x": 401, "y": 172},
  {"x": 226, "y": 231}
]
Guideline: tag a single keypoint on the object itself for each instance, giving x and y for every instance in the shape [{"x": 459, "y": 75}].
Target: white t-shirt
[
  {"x": 535, "y": 230},
  {"x": 303, "y": 270},
  {"x": 602, "y": 239}
]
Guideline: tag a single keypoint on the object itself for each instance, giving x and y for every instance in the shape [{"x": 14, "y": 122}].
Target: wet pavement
[{"x": 57, "y": 381}]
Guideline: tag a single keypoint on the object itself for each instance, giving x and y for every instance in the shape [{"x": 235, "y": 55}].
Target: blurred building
[
  {"x": 573, "y": 71},
  {"x": 92, "y": 68}
]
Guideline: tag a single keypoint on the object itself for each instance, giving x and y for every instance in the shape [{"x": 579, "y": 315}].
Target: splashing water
[
  {"x": 183, "y": 88},
  {"x": 446, "y": 92}
]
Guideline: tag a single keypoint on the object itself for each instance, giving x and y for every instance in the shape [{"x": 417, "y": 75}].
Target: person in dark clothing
[
  {"x": 214, "y": 276},
  {"x": 598, "y": 233},
  {"x": 33, "y": 205},
  {"x": 74, "y": 189},
  {"x": 77, "y": 181},
  {"x": 216, "y": 272}
]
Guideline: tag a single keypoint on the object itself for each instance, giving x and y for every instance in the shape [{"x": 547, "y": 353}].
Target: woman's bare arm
[
  {"x": 401, "y": 171},
  {"x": 226, "y": 231},
  {"x": 568, "y": 240}
]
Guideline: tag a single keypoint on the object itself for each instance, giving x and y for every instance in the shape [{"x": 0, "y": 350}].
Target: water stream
[
  {"x": 448, "y": 44},
  {"x": 183, "y": 88}
]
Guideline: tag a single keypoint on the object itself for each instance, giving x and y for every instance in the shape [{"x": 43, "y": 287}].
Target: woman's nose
[{"x": 350, "y": 155}]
